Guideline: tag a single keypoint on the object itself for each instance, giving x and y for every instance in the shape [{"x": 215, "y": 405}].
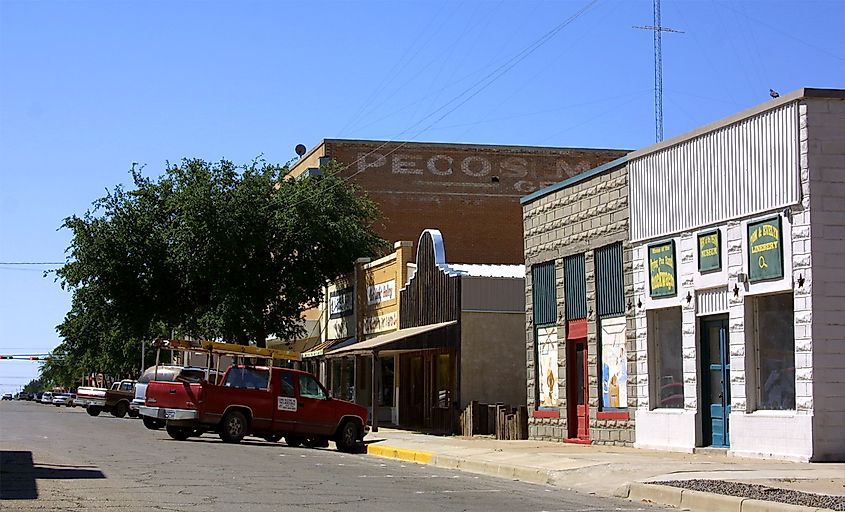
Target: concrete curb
[
  {"x": 704, "y": 501},
  {"x": 637, "y": 491}
]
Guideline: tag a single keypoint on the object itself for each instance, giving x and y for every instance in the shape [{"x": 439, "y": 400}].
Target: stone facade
[{"x": 577, "y": 217}]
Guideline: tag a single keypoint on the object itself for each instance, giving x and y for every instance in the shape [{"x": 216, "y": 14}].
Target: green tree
[{"x": 209, "y": 250}]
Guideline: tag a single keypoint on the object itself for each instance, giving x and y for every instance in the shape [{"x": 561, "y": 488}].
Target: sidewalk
[{"x": 613, "y": 471}]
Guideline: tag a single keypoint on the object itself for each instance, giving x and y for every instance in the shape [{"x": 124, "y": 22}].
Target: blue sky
[{"x": 87, "y": 88}]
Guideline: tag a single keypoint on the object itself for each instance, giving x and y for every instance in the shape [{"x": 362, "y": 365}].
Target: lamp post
[{"x": 142, "y": 357}]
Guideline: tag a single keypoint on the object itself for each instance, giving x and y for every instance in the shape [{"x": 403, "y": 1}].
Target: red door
[{"x": 578, "y": 391}]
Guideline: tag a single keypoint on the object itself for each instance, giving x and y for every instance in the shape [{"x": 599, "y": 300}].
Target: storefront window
[
  {"x": 387, "y": 369},
  {"x": 343, "y": 378},
  {"x": 775, "y": 351},
  {"x": 664, "y": 336}
]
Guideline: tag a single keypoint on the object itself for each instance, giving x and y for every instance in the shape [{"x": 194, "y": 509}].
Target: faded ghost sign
[{"x": 520, "y": 174}]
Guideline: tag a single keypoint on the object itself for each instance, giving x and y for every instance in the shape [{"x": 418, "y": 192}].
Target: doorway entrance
[
  {"x": 577, "y": 390},
  {"x": 716, "y": 388}
]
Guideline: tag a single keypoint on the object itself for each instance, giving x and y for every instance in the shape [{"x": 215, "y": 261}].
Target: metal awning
[
  {"x": 321, "y": 348},
  {"x": 431, "y": 336}
]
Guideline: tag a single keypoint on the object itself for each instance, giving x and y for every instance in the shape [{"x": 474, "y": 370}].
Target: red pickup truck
[{"x": 258, "y": 401}]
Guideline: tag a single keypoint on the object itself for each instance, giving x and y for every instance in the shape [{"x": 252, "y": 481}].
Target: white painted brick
[{"x": 804, "y": 374}]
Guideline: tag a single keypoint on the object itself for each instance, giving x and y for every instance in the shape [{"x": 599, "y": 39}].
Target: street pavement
[
  {"x": 613, "y": 471},
  {"x": 61, "y": 459}
]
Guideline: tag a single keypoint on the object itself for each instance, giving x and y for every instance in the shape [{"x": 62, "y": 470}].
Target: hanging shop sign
[
  {"x": 765, "y": 250},
  {"x": 661, "y": 269},
  {"x": 710, "y": 251}
]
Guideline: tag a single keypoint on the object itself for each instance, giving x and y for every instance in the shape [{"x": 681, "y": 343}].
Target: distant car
[
  {"x": 47, "y": 397},
  {"x": 7, "y": 396},
  {"x": 60, "y": 399}
]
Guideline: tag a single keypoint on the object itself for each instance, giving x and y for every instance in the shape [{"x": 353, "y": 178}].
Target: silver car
[{"x": 60, "y": 399}]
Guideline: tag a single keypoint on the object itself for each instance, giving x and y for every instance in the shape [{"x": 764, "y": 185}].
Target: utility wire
[{"x": 468, "y": 94}]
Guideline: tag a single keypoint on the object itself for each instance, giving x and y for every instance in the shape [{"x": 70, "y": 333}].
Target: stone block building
[{"x": 579, "y": 309}]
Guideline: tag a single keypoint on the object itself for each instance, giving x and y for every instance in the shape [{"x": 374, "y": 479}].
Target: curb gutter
[
  {"x": 704, "y": 501},
  {"x": 637, "y": 491}
]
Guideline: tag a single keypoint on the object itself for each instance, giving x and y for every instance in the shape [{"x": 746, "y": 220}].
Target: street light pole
[{"x": 142, "y": 357}]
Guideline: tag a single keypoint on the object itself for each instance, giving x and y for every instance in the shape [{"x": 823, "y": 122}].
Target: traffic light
[
  {"x": 34, "y": 358},
  {"x": 5, "y": 357}
]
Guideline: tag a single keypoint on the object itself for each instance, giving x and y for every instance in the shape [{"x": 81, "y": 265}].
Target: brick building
[{"x": 469, "y": 192}]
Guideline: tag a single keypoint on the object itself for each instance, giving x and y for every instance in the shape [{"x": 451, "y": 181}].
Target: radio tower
[{"x": 658, "y": 30}]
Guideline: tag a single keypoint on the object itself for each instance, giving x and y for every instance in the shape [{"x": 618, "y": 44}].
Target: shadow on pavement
[{"x": 18, "y": 475}]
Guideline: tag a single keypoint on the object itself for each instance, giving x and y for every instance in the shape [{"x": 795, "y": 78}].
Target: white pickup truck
[
  {"x": 114, "y": 400},
  {"x": 164, "y": 373}
]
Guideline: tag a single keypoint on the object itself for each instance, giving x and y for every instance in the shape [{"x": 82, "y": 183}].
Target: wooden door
[{"x": 577, "y": 390}]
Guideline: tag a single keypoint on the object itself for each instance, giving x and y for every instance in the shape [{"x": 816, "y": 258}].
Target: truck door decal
[{"x": 287, "y": 404}]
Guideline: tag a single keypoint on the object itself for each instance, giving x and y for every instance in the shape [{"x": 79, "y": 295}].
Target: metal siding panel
[
  {"x": 712, "y": 301},
  {"x": 610, "y": 295},
  {"x": 575, "y": 277},
  {"x": 544, "y": 293},
  {"x": 736, "y": 171}
]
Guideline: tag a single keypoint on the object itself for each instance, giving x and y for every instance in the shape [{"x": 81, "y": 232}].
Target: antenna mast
[{"x": 658, "y": 30}]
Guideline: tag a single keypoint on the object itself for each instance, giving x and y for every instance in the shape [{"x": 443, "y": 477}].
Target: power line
[
  {"x": 469, "y": 93},
  {"x": 32, "y": 262}
]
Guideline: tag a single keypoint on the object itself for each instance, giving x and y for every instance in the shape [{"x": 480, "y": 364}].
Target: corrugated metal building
[{"x": 738, "y": 236}]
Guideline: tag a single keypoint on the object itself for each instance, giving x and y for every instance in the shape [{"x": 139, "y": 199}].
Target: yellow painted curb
[{"x": 400, "y": 453}]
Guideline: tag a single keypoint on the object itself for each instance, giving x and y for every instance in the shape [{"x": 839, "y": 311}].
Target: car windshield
[{"x": 165, "y": 374}]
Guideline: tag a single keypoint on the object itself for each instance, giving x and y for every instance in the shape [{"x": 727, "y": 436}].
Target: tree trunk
[{"x": 261, "y": 337}]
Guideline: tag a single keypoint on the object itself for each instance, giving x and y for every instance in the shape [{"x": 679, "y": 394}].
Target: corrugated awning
[
  {"x": 440, "y": 335},
  {"x": 321, "y": 348}
]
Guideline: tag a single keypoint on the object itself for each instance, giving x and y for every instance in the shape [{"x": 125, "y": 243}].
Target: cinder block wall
[
  {"x": 823, "y": 158},
  {"x": 579, "y": 219}
]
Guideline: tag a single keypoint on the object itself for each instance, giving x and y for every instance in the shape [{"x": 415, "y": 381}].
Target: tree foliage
[{"x": 209, "y": 250}]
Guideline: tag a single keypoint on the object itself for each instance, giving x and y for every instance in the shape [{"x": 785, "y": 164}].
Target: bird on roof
[{"x": 773, "y": 93}]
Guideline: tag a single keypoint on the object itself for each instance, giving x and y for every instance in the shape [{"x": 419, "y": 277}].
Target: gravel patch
[{"x": 760, "y": 492}]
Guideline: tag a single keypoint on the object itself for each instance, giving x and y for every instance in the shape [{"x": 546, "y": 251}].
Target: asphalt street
[{"x": 62, "y": 459}]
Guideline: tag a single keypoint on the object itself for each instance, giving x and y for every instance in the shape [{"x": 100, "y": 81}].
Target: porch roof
[{"x": 413, "y": 338}]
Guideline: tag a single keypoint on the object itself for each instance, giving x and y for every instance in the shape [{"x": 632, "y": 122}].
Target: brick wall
[
  {"x": 579, "y": 219},
  {"x": 823, "y": 159},
  {"x": 469, "y": 192}
]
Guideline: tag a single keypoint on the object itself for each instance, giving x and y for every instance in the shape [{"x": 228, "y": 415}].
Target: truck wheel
[
  {"x": 153, "y": 423},
  {"x": 233, "y": 427},
  {"x": 347, "y": 438},
  {"x": 120, "y": 410},
  {"x": 178, "y": 433},
  {"x": 272, "y": 438},
  {"x": 93, "y": 410},
  {"x": 294, "y": 441}
]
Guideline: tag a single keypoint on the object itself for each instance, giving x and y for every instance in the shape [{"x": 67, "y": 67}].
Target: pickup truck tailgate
[{"x": 173, "y": 395}]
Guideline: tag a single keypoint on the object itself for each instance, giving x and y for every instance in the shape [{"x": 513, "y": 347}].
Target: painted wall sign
[
  {"x": 287, "y": 404},
  {"x": 340, "y": 303},
  {"x": 381, "y": 292},
  {"x": 710, "y": 251},
  {"x": 380, "y": 323},
  {"x": 614, "y": 363},
  {"x": 661, "y": 269},
  {"x": 765, "y": 250},
  {"x": 547, "y": 355}
]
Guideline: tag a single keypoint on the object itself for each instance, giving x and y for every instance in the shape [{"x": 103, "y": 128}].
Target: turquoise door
[{"x": 716, "y": 372}]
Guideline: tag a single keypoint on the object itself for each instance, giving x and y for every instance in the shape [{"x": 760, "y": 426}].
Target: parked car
[
  {"x": 261, "y": 402},
  {"x": 163, "y": 373},
  {"x": 7, "y": 396},
  {"x": 60, "y": 399},
  {"x": 47, "y": 397}
]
